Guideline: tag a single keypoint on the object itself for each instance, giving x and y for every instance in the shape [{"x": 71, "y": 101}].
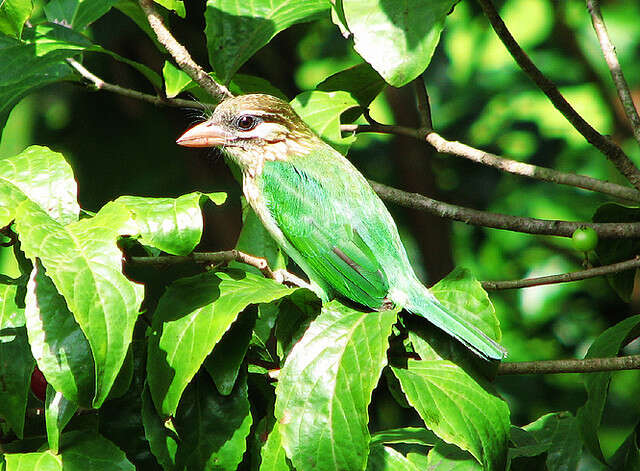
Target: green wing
[{"x": 325, "y": 231}]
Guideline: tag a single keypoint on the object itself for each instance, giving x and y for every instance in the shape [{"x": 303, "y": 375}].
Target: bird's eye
[{"x": 246, "y": 122}]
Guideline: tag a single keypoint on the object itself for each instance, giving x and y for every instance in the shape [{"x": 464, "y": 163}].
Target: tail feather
[{"x": 427, "y": 306}]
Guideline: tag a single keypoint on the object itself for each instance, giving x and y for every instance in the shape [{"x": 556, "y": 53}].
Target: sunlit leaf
[
  {"x": 13, "y": 14},
  {"x": 325, "y": 388},
  {"x": 384, "y": 458},
  {"x": 58, "y": 412}
]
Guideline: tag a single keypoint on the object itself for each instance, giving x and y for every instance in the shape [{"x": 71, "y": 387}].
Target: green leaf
[
  {"x": 589, "y": 416},
  {"x": 82, "y": 450},
  {"x": 236, "y": 30},
  {"x": 85, "y": 265},
  {"x": 174, "y": 5},
  {"x": 397, "y": 38},
  {"x": 460, "y": 292},
  {"x": 11, "y": 316},
  {"x": 57, "y": 342},
  {"x": 627, "y": 456},
  {"x": 77, "y": 14},
  {"x": 243, "y": 84},
  {"x": 58, "y": 413},
  {"x": 383, "y": 458},
  {"x": 173, "y": 225},
  {"x": 13, "y": 15},
  {"x": 272, "y": 454},
  {"x": 322, "y": 110},
  {"x": 325, "y": 388},
  {"x": 163, "y": 441},
  {"x": 16, "y": 365},
  {"x": 54, "y": 189},
  {"x": 616, "y": 250},
  {"x": 213, "y": 429},
  {"x": 361, "y": 81},
  {"x": 445, "y": 457},
  {"x": 459, "y": 408},
  {"x": 556, "y": 434},
  {"x": 415, "y": 435},
  {"x": 192, "y": 316},
  {"x": 223, "y": 365},
  {"x": 175, "y": 80}
]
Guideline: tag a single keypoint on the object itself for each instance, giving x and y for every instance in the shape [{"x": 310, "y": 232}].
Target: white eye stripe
[{"x": 268, "y": 131}]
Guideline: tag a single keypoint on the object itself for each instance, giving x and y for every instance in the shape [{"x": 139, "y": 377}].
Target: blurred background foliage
[{"x": 478, "y": 96}]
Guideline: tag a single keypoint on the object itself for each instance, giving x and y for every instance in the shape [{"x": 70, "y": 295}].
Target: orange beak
[{"x": 204, "y": 135}]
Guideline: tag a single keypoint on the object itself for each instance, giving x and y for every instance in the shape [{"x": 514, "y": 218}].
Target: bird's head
[{"x": 252, "y": 129}]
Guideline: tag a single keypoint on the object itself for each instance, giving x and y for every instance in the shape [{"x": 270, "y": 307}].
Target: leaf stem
[
  {"x": 181, "y": 55},
  {"x": 608, "y": 147}
]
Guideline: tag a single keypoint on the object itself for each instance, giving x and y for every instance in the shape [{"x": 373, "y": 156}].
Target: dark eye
[{"x": 246, "y": 122}]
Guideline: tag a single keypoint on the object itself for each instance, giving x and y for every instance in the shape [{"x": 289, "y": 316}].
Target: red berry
[{"x": 38, "y": 384}]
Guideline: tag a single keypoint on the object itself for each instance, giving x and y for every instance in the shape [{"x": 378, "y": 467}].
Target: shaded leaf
[
  {"x": 236, "y": 30},
  {"x": 58, "y": 412},
  {"x": 397, "y": 38},
  {"x": 325, "y": 388},
  {"x": 192, "y": 316},
  {"x": 361, "y": 81},
  {"x": 163, "y": 440},
  {"x": 589, "y": 416},
  {"x": 627, "y": 456},
  {"x": 459, "y": 408},
  {"x": 445, "y": 457},
  {"x": 16, "y": 365},
  {"x": 416, "y": 435},
  {"x": 77, "y": 14},
  {"x": 383, "y": 458}
]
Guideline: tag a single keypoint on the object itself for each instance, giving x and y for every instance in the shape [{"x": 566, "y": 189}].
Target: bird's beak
[{"x": 204, "y": 134}]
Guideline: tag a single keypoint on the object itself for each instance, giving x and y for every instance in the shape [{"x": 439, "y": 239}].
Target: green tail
[{"x": 424, "y": 304}]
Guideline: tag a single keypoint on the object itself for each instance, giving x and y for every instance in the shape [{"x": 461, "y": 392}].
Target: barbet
[{"x": 323, "y": 213}]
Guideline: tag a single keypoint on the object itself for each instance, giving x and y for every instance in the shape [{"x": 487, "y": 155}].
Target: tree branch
[
  {"x": 603, "y": 143},
  {"x": 424, "y": 108},
  {"x": 564, "y": 277},
  {"x": 514, "y": 167},
  {"x": 100, "y": 84},
  {"x": 607, "y": 230},
  {"x": 611, "y": 58},
  {"x": 181, "y": 55},
  {"x": 587, "y": 365},
  {"x": 208, "y": 258}
]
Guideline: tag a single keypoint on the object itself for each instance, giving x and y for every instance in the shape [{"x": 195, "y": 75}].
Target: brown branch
[
  {"x": 564, "y": 277},
  {"x": 587, "y": 365},
  {"x": 476, "y": 217},
  {"x": 610, "y": 149},
  {"x": 424, "y": 108},
  {"x": 514, "y": 167},
  {"x": 611, "y": 58},
  {"x": 209, "y": 258},
  {"x": 181, "y": 55},
  {"x": 100, "y": 84}
]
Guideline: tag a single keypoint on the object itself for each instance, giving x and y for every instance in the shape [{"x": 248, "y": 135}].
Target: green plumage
[{"x": 324, "y": 214}]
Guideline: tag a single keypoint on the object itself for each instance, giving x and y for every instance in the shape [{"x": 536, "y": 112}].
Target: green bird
[{"x": 320, "y": 209}]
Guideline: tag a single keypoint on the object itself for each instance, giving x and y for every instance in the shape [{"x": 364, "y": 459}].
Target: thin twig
[
  {"x": 564, "y": 277},
  {"x": 587, "y": 365},
  {"x": 181, "y": 55},
  {"x": 611, "y": 58},
  {"x": 476, "y": 217},
  {"x": 506, "y": 165},
  {"x": 209, "y": 258},
  {"x": 603, "y": 143},
  {"x": 100, "y": 84}
]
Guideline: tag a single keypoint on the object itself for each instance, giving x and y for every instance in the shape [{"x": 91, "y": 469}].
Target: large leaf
[
  {"x": 213, "y": 429},
  {"x": 445, "y": 457},
  {"x": 322, "y": 110},
  {"x": 80, "y": 451},
  {"x": 13, "y": 14},
  {"x": 163, "y": 440},
  {"x": 608, "y": 344},
  {"x": 85, "y": 265},
  {"x": 361, "y": 81},
  {"x": 57, "y": 342},
  {"x": 384, "y": 458},
  {"x": 459, "y": 408},
  {"x": 272, "y": 455},
  {"x": 16, "y": 365},
  {"x": 192, "y": 316},
  {"x": 325, "y": 388},
  {"x": 236, "y": 30},
  {"x": 173, "y": 225},
  {"x": 77, "y": 14},
  {"x": 43, "y": 176},
  {"x": 396, "y": 37}
]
